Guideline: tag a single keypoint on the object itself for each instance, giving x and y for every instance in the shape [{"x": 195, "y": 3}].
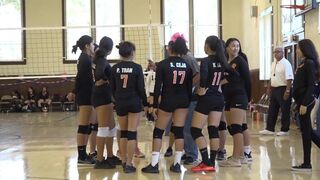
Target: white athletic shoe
[
  {"x": 230, "y": 162},
  {"x": 282, "y": 133},
  {"x": 266, "y": 132}
]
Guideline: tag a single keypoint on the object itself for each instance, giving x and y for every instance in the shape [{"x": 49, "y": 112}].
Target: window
[
  {"x": 78, "y": 13},
  {"x": 265, "y": 43},
  {"x": 176, "y": 15},
  {"x": 204, "y": 21},
  {"x": 11, "y": 44},
  {"x": 106, "y": 16},
  {"x": 84, "y": 13}
]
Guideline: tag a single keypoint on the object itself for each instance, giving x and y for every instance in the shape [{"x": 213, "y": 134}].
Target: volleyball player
[
  {"x": 210, "y": 104},
  {"x": 83, "y": 91},
  {"x": 128, "y": 89},
  {"x": 101, "y": 99},
  {"x": 237, "y": 93},
  {"x": 175, "y": 76}
]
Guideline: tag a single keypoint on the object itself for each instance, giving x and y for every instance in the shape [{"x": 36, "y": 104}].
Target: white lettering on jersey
[
  {"x": 181, "y": 65},
  {"x": 171, "y": 65},
  {"x": 126, "y": 70}
]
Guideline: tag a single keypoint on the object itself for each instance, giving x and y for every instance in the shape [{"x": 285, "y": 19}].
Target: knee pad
[
  {"x": 89, "y": 129},
  {"x": 244, "y": 127},
  {"x": 103, "y": 132},
  {"x": 213, "y": 132},
  {"x": 178, "y": 132},
  {"x": 94, "y": 127},
  {"x": 132, "y": 135},
  {"x": 83, "y": 129},
  {"x": 112, "y": 132},
  {"x": 123, "y": 134},
  {"x": 157, "y": 133},
  {"x": 235, "y": 129},
  {"x": 196, "y": 132},
  {"x": 222, "y": 126}
]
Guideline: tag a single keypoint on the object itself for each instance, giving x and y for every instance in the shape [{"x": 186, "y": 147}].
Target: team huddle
[{"x": 221, "y": 85}]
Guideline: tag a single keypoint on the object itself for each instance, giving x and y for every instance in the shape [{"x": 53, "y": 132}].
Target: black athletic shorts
[
  {"x": 101, "y": 95},
  {"x": 170, "y": 104},
  {"x": 132, "y": 105},
  {"x": 83, "y": 98},
  {"x": 237, "y": 101},
  {"x": 206, "y": 104}
]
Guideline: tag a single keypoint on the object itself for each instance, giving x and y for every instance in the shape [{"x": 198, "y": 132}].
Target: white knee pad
[
  {"x": 103, "y": 132},
  {"x": 112, "y": 132}
]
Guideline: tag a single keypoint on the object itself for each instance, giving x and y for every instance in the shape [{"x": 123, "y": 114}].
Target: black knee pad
[
  {"x": 83, "y": 129},
  {"x": 222, "y": 126},
  {"x": 132, "y": 135},
  {"x": 244, "y": 127},
  {"x": 94, "y": 127},
  {"x": 235, "y": 129},
  {"x": 157, "y": 133},
  {"x": 90, "y": 129},
  {"x": 178, "y": 132},
  {"x": 213, "y": 132},
  {"x": 196, "y": 133},
  {"x": 124, "y": 134}
]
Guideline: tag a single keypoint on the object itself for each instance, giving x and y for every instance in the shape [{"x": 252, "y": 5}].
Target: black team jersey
[
  {"x": 101, "y": 69},
  {"x": 211, "y": 73},
  {"x": 84, "y": 79},
  {"x": 127, "y": 81},
  {"x": 173, "y": 77},
  {"x": 303, "y": 84},
  {"x": 240, "y": 82}
]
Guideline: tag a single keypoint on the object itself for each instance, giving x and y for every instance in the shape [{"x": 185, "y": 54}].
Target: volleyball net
[{"x": 29, "y": 53}]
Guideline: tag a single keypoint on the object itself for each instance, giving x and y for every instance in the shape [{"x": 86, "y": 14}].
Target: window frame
[
  {"x": 23, "y": 39},
  {"x": 191, "y": 21},
  {"x": 93, "y": 31}
]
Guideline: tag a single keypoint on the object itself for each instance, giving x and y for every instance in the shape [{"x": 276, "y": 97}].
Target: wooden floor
[{"x": 43, "y": 146}]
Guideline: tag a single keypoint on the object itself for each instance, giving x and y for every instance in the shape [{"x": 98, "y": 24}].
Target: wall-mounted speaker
[{"x": 254, "y": 11}]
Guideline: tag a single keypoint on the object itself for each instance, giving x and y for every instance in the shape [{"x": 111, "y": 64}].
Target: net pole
[{"x": 150, "y": 31}]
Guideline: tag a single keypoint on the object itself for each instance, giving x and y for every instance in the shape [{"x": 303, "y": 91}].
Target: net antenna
[{"x": 301, "y": 7}]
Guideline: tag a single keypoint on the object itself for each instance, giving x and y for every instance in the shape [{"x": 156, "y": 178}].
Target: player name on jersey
[
  {"x": 178, "y": 65},
  {"x": 124, "y": 70}
]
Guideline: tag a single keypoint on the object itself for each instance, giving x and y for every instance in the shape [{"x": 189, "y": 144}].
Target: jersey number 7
[
  {"x": 176, "y": 73},
  {"x": 125, "y": 80}
]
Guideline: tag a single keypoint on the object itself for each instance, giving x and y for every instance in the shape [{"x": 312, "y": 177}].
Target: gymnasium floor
[{"x": 43, "y": 146}]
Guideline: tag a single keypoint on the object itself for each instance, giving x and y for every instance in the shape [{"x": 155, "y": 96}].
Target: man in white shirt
[{"x": 281, "y": 80}]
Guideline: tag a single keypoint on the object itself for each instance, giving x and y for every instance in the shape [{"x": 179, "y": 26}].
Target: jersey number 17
[{"x": 181, "y": 74}]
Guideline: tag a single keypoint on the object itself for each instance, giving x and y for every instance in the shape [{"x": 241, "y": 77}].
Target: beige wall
[
  {"x": 44, "y": 47},
  {"x": 236, "y": 22},
  {"x": 311, "y": 27}
]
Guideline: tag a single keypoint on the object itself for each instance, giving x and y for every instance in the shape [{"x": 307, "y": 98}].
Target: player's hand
[
  {"x": 202, "y": 91},
  {"x": 303, "y": 110}
]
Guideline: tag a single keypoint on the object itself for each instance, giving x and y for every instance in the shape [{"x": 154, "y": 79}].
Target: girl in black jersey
[
  {"x": 83, "y": 91},
  {"x": 101, "y": 100},
  {"x": 128, "y": 89},
  {"x": 305, "y": 77},
  {"x": 210, "y": 103},
  {"x": 237, "y": 93},
  {"x": 174, "y": 84}
]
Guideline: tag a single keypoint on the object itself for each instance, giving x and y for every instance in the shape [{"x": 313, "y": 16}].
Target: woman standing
[
  {"x": 237, "y": 93},
  {"x": 101, "y": 100},
  {"x": 210, "y": 104},
  {"x": 128, "y": 89},
  {"x": 83, "y": 91},
  {"x": 174, "y": 84},
  {"x": 306, "y": 75}
]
